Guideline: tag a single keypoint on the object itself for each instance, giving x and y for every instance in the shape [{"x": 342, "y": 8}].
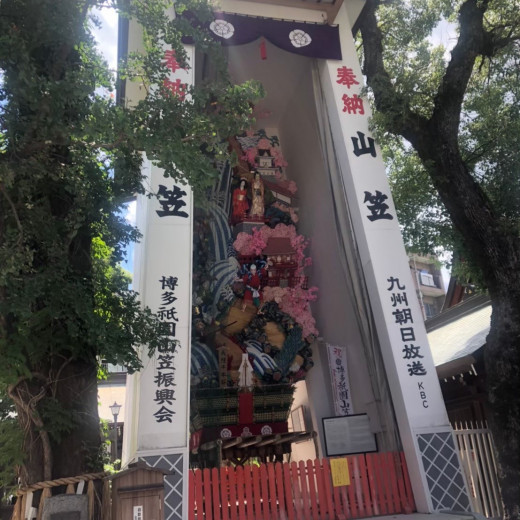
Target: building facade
[{"x": 429, "y": 284}]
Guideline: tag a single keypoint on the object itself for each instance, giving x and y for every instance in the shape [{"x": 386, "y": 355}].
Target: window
[
  {"x": 427, "y": 279},
  {"x": 113, "y": 369},
  {"x": 430, "y": 310},
  {"x": 298, "y": 419}
]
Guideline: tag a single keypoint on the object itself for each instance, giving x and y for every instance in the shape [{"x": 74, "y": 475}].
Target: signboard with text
[
  {"x": 164, "y": 392},
  {"x": 348, "y": 435},
  {"x": 339, "y": 380},
  {"x": 339, "y": 472}
]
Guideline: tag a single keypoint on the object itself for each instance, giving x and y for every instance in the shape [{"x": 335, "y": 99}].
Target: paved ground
[{"x": 432, "y": 516}]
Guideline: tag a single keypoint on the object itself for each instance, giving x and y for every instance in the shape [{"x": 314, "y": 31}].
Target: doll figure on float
[
  {"x": 239, "y": 202},
  {"x": 252, "y": 287},
  {"x": 257, "y": 197}
]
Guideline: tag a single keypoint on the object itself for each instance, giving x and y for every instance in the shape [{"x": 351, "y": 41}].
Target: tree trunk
[
  {"x": 79, "y": 450},
  {"x": 502, "y": 362},
  {"x": 496, "y": 251},
  {"x": 53, "y": 449}
]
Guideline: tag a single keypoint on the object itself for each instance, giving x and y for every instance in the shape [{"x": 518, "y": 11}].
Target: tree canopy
[
  {"x": 489, "y": 142},
  {"x": 455, "y": 177},
  {"x": 69, "y": 159}
]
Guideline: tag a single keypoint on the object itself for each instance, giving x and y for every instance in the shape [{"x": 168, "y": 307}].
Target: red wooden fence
[{"x": 379, "y": 485}]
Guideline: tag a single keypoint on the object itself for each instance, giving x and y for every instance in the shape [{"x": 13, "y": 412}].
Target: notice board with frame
[{"x": 348, "y": 434}]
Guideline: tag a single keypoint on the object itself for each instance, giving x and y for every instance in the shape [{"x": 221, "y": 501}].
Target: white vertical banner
[
  {"x": 339, "y": 380},
  {"x": 420, "y": 410},
  {"x": 381, "y": 247},
  {"x": 165, "y": 286},
  {"x": 158, "y": 422},
  {"x": 164, "y": 381},
  {"x": 180, "y": 79}
]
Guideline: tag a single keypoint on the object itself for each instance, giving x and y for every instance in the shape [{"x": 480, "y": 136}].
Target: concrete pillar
[{"x": 437, "y": 480}]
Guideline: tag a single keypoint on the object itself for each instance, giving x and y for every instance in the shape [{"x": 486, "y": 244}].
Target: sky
[
  {"x": 106, "y": 37},
  {"x": 445, "y": 34}
]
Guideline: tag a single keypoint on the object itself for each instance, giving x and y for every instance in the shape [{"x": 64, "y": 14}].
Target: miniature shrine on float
[{"x": 287, "y": 293}]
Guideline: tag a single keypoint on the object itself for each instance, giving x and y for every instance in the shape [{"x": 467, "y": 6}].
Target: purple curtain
[{"x": 307, "y": 39}]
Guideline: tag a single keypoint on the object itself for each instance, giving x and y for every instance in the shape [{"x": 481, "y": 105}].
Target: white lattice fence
[{"x": 478, "y": 460}]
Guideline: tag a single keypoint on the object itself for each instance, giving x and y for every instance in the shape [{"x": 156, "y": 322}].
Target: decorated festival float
[{"x": 252, "y": 325}]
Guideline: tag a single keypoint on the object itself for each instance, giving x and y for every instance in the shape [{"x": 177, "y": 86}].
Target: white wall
[{"x": 305, "y": 450}]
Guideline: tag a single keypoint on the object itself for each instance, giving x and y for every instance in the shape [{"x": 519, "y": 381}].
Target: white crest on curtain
[
  {"x": 222, "y": 28},
  {"x": 299, "y": 38}
]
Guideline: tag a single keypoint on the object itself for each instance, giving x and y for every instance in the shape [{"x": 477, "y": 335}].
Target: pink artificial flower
[
  {"x": 257, "y": 243},
  {"x": 295, "y": 303},
  {"x": 250, "y": 155},
  {"x": 278, "y": 157},
  {"x": 243, "y": 244},
  {"x": 264, "y": 144},
  {"x": 312, "y": 293},
  {"x": 292, "y": 187},
  {"x": 294, "y": 215},
  {"x": 273, "y": 294}
]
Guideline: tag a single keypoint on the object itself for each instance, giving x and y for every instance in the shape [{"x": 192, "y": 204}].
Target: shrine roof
[
  {"x": 462, "y": 332},
  {"x": 281, "y": 187},
  {"x": 278, "y": 246}
]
